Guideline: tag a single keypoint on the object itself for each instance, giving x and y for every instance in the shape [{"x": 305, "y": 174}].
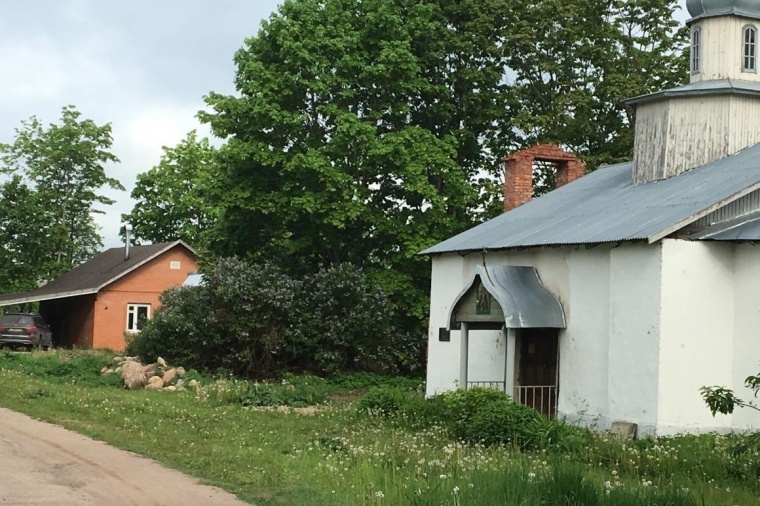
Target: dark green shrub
[
  {"x": 462, "y": 405},
  {"x": 347, "y": 324},
  {"x": 362, "y": 380},
  {"x": 393, "y": 402},
  {"x": 254, "y": 320},
  {"x": 236, "y": 321},
  {"x": 500, "y": 422}
]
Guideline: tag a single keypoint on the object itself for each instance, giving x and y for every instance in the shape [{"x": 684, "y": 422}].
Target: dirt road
[{"x": 44, "y": 464}]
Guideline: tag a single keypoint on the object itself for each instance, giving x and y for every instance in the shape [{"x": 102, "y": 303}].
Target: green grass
[{"x": 340, "y": 456}]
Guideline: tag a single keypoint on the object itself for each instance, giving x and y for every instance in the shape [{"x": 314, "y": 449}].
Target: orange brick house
[{"x": 97, "y": 303}]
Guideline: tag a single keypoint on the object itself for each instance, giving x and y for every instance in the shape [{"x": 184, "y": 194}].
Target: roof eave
[
  {"x": 728, "y": 89},
  {"x": 49, "y": 296}
]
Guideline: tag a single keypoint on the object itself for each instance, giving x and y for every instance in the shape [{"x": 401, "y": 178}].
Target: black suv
[{"x": 25, "y": 329}]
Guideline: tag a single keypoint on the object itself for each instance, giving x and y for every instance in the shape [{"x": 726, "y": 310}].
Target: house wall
[
  {"x": 697, "y": 332},
  {"x": 746, "y": 350},
  {"x": 141, "y": 286},
  {"x": 647, "y": 327},
  {"x": 633, "y": 333},
  {"x": 722, "y": 49},
  {"x": 677, "y": 134},
  {"x": 596, "y": 316}
]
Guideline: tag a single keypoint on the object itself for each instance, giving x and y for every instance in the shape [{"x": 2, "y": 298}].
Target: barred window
[
  {"x": 696, "y": 41},
  {"x": 748, "y": 53}
]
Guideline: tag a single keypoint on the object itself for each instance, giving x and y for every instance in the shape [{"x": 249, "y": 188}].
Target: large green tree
[
  {"x": 62, "y": 168},
  {"x": 172, "y": 199},
  {"x": 355, "y": 136},
  {"x": 572, "y": 65},
  {"x": 23, "y": 221},
  {"x": 365, "y": 130}
]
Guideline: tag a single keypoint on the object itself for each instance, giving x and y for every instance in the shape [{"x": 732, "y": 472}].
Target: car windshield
[{"x": 15, "y": 319}]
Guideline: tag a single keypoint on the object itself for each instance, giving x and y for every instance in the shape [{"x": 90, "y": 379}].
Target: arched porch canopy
[{"x": 523, "y": 301}]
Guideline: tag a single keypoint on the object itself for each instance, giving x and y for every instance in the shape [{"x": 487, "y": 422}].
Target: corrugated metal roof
[
  {"x": 712, "y": 87},
  {"x": 524, "y": 300},
  {"x": 605, "y": 206},
  {"x": 748, "y": 230},
  {"x": 91, "y": 276}
]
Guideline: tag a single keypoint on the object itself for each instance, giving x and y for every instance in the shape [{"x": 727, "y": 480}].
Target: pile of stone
[{"x": 156, "y": 376}]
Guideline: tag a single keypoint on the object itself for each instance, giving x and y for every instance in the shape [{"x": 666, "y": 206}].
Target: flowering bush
[{"x": 255, "y": 320}]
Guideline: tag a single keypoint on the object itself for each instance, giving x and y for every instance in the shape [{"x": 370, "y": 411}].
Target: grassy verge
[{"x": 337, "y": 456}]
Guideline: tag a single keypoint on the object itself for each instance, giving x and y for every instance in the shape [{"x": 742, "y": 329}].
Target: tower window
[
  {"x": 749, "y": 34},
  {"x": 696, "y": 41}
]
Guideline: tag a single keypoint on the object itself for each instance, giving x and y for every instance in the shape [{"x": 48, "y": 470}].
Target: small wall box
[{"x": 444, "y": 334}]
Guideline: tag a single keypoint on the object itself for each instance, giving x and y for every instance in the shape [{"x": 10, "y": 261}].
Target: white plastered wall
[
  {"x": 746, "y": 350},
  {"x": 596, "y": 315},
  {"x": 634, "y": 330},
  {"x": 696, "y": 335}
]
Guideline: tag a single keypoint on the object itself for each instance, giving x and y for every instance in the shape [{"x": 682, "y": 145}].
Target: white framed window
[
  {"x": 137, "y": 314},
  {"x": 175, "y": 265},
  {"x": 696, "y": 46},
  {"x": 749, "y": 48}
]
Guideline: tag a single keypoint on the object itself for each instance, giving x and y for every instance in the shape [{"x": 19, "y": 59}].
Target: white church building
[{"x": 616, "y": 296}]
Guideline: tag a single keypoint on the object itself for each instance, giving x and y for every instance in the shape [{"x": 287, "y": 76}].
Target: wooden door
[{"x": 537, "y": 373}]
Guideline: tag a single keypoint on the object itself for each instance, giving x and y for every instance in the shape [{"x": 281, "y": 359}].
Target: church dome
[{"x": 706, "y": 8}]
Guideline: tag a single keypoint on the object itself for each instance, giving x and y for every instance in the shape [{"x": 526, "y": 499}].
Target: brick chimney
[{"x": 518, "y": 171}]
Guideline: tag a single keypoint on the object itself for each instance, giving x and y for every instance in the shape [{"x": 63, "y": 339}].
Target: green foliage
[
  {"x": 363, "y": 380},
  {"x": 723, "y": 400},
  {"x": 62, "y": 367},
  {"x": 64, "y": 166},
  {"x": 746, "y": 452},
  {"x": 363, "y": 132},
  {"x": 172, "y": 198},
  {"x": 477, "y": 416},
  {"x": 343, "y": 316},
  {"x": 336, "y": 457},
  {"x": 487, "y": 416},
  {"x": 388, "y": 401},
  {"x": 254, "y": 320},
  {"x": 23, "y": 221},
  {"x": 295, "y": 391},
  {"x": 575, "y": 62}
]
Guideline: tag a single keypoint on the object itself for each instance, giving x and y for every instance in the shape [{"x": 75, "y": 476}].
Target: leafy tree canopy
[
  {"x": 366, "y": 130},
  {"x": 173, "y": 200},
  {"x": 58, "y": 172}
]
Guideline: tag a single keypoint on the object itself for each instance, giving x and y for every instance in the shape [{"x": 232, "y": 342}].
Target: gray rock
[
  {"x": 193, "y": 383},
  {"x": 161, "y": 362},
  {"x": 170, "y": 376},
  {"x": 132, "y": 374},
  {"x": 170, "y": 388},
  {"x": 150, "y": 370},
  {"x": 155, "y": 383},
  {"x": 180, "y": 371}
]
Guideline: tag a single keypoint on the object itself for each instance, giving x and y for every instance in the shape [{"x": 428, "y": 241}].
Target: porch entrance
[
  {"x": 537, "y": 373},
  {"x": 512, "y": 299}
]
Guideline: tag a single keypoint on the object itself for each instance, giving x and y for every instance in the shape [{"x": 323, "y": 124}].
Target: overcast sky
[{"x": 141, "y": 65}]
